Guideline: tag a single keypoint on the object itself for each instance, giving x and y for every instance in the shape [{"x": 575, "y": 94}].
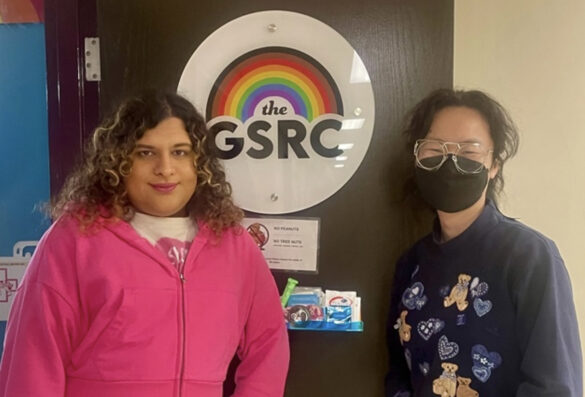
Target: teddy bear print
[
  {"x": 463, "y": 390},
  {"x": 458, "y": 293},
  {"x": 446, "y": 384},
  {"x": 403, "y": 328}
]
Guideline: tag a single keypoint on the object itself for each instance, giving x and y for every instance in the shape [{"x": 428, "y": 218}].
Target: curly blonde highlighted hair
[{"x": 96, "y": 188}]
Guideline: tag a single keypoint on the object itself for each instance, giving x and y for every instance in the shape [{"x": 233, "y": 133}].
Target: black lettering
[
  {"x": 269, "y": 109},
  {"x": 237, "y": 144},
  {"x": 284, "y": 140},
  {"x": 267, "y": 146},
  {"x": 318, "y": 130}
]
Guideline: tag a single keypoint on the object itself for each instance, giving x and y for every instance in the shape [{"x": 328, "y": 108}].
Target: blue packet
[
  {"x": 303, "y": 299},
  {"x": 338, "y": 316}
]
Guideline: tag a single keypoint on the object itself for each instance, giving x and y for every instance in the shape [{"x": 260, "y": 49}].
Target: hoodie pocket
[{"x": 141, "y": 340}]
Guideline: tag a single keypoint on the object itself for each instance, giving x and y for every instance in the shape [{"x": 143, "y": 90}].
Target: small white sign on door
[{"x": 287, "y": 244}]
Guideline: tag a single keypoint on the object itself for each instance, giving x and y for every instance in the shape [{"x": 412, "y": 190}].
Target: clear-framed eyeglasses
[{"x": 469, "y": 157}]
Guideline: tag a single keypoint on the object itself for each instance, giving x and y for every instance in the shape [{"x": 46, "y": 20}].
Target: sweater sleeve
[
  {"x": 546, "y": 323},
  {"x": 264, "y": 348},
  {"x": 42, "y": 326},
  {"x": 397, "y": 382}
]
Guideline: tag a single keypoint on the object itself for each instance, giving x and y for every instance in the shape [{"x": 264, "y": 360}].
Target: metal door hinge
[{"x": 92, "y": 59}]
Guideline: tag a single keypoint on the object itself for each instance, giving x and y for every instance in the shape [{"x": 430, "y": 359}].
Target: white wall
[{"x": 530, "y": 55}]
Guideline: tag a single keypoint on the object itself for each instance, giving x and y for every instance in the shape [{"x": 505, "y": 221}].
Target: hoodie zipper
[{"x": 183, "y": 333}]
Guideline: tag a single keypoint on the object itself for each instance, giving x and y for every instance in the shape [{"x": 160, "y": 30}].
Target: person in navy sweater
[{"x": 482, "y": 306}]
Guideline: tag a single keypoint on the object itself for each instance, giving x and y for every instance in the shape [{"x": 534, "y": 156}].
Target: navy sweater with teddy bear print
[{"x": 488, "y": 313}]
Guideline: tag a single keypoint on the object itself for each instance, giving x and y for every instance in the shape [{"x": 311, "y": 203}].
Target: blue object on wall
[{"x": 24, "y": 153}]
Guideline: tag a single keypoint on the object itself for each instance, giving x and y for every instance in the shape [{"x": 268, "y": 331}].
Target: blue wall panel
[{"x": 24, "y": 163}]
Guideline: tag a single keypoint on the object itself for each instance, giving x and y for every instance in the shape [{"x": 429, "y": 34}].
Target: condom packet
[
  {"x": 338, "y": 309},
  {"x": 339, "y": 298},
  {"x": 303, "y": 315},
  {"x": 338, "y": 316},
  {"x": 306, "y": 296}
]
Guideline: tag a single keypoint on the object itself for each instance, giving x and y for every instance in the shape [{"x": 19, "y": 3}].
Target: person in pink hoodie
[{"x": 146, "y": 285}]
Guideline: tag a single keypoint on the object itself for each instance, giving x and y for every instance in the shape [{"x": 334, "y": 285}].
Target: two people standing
[{"x": 146, "y": 285}]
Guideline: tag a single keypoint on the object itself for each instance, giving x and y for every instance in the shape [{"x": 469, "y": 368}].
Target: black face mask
[{"x": 447, "y": 189}]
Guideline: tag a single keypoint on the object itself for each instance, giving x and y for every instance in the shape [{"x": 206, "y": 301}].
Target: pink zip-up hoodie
[{"x": 104, "y": 313}]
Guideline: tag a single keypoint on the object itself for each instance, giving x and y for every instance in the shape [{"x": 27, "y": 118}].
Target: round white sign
[{"x": 290, "y": 103}]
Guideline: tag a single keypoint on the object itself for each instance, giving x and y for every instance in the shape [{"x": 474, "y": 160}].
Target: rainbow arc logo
[{"x": 274, "y": 72}]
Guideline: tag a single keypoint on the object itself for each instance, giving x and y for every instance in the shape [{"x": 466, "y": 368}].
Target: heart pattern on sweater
[
  {"x": 478, "y": 289},
  {"x": 428, "y": 328},
  {"x": 484, "y": 362},
  {"x": 447, "y": 350},
  {"x": 413, "y": 297},
  {"x": 482, "y": 307}
]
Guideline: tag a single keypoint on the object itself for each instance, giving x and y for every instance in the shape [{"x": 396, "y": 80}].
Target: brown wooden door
[{"x": 407, "y": 47}]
